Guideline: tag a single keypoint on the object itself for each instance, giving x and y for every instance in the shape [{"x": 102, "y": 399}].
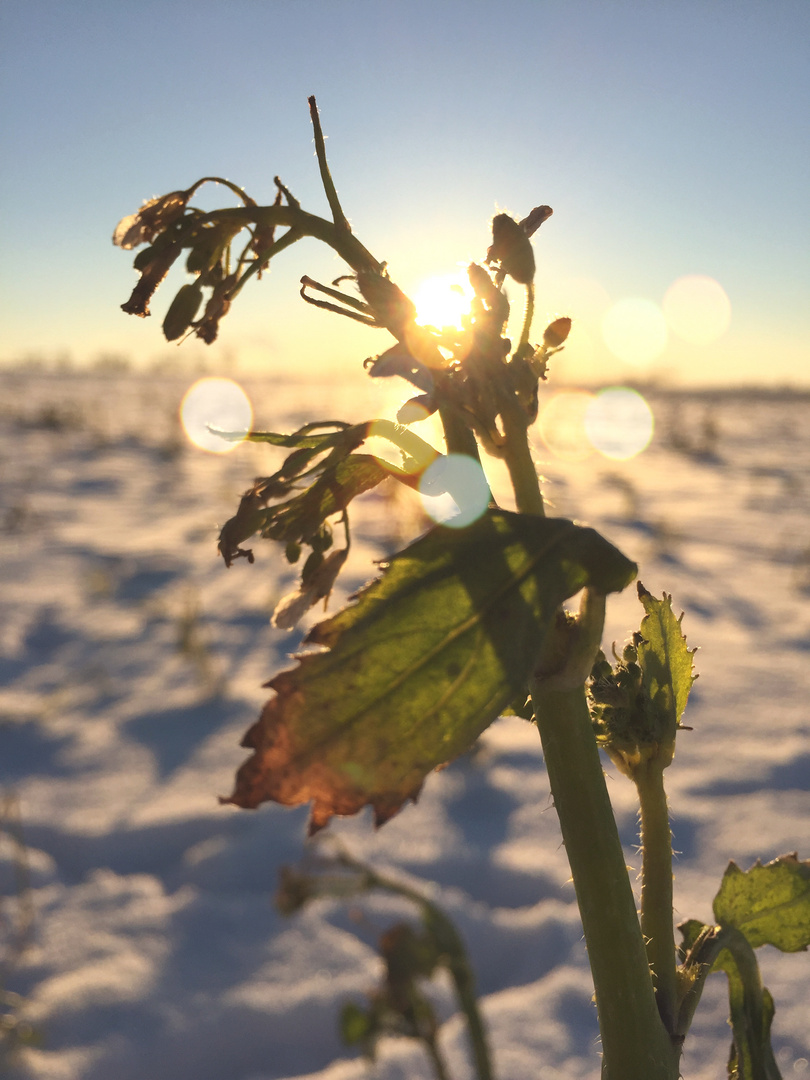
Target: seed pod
[
  {"x": 143, "y": 258},
  {"x": 532, "y": 222},
  {"x": 208, "y": 246},
  {"x": 292, "y": 552},
  {"x": 182, "y": 311},
  {"x": 557, "y": 332},
  {"x": 512, "y": 248},
  {"x": 311, "y": 566}
]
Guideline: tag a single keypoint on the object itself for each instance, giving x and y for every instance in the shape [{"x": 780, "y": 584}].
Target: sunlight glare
[
  {"x": 399, "y": 446},
  {"x": 635, "y": 330},
  {"x": 443, "y": 301},
  {"x": 562, "y": 425},
  {"x": 218, "y": 403},
  {"x": 619, "y": 423},
  {"x": 697, "y": 309},
  {"x": 454, "y": 490}
]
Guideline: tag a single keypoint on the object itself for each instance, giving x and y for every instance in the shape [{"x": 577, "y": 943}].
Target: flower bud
[
  {"x": 557, "y": 332},
  {"x": 512, "y": 249}
]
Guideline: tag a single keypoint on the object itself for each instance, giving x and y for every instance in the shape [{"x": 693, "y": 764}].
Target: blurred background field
[{"x": 138, "y": 932}]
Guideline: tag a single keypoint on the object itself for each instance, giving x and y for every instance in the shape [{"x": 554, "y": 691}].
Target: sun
[{"x": 443, "y": 301}]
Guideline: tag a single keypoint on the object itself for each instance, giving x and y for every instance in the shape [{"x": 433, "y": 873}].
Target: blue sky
[{"x": 671, "y": 138}]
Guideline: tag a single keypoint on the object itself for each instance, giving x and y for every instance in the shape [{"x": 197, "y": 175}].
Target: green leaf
[
  {"x": 356, "y": 1024},
  {"x": 766, "y": 905},
  {"x": 665, "y": 661},
  {"x": 420, "y": 664},
  {"x": 303, "y": 438},
  {"x": 300, "y": 517},
  {"x": 769, "y": 904},
  {"x": 707, "y": 949}
]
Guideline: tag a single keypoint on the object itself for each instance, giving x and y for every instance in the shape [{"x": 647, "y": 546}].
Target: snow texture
[{"x": 131, "y": 663}]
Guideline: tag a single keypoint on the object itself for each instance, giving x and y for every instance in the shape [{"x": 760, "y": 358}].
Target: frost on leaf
[{"x": 413, "y": 671}]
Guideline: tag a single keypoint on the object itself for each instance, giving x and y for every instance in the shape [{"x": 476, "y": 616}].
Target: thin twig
[{"x": 338, "y": 216}]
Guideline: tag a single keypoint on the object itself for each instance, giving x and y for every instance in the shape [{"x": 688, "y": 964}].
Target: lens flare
[
  {"x": 443, "y": 301},
  {"x": 454, "y": 490},
  {"x": 697, "y": 309},
  {"x": 635, "y": 330},
  {"x": 619, "y": 423},
  {"x": 562, "y": 425},
  {"x": 215, "y": 403}
]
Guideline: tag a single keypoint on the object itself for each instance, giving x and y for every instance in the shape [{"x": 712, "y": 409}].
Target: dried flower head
[
  {"x": 152, "y": 218},
  {"x": 318, "y": 586}
]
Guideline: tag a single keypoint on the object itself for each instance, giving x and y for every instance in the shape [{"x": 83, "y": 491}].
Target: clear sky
[{"x": 672, "y": 139}]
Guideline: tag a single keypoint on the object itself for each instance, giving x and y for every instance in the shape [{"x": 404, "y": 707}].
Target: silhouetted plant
[{"x": 467, "y": 623}]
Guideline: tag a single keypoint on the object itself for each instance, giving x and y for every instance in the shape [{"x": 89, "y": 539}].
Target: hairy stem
[
  {"x": 457, "y": 436},
  {"x": 527, "y": 319},
  {"x": 636, "y": 1045},
  {"x": 518, "y": 457},
  {"x": 656, "y": 888}
]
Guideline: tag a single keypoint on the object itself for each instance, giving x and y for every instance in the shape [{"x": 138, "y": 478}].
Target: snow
[{"x": 131, "y": 663}]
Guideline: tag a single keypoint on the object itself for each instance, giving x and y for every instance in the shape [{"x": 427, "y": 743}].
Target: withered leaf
[{"x": 422, "y": 661}]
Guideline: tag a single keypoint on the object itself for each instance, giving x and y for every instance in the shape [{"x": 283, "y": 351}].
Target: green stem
[
  {"x": 445, "y": 934},
  {"x": 518, "y": 457},
  {"x": 636, "y": 1046},
  {"x": 457, "y": 436},
  {"x": 464, "y": 983},
  {"x": 750, "y": 1019},
  {"x": 527, "y": 319},
  {"x": 656, "y": 888},
  {"x": 432, "y": 1049}
]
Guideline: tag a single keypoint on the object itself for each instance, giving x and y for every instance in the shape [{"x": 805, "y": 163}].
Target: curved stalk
[
  {"x": 527, "y": 319},
  {"x": 342, "y": 241},
  {"x": 434, "y": 1053},
  {"x": 458, "y": 965}
]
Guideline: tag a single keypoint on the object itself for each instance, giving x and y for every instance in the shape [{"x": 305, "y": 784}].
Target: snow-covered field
[{"x": 131, "y": 662}]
